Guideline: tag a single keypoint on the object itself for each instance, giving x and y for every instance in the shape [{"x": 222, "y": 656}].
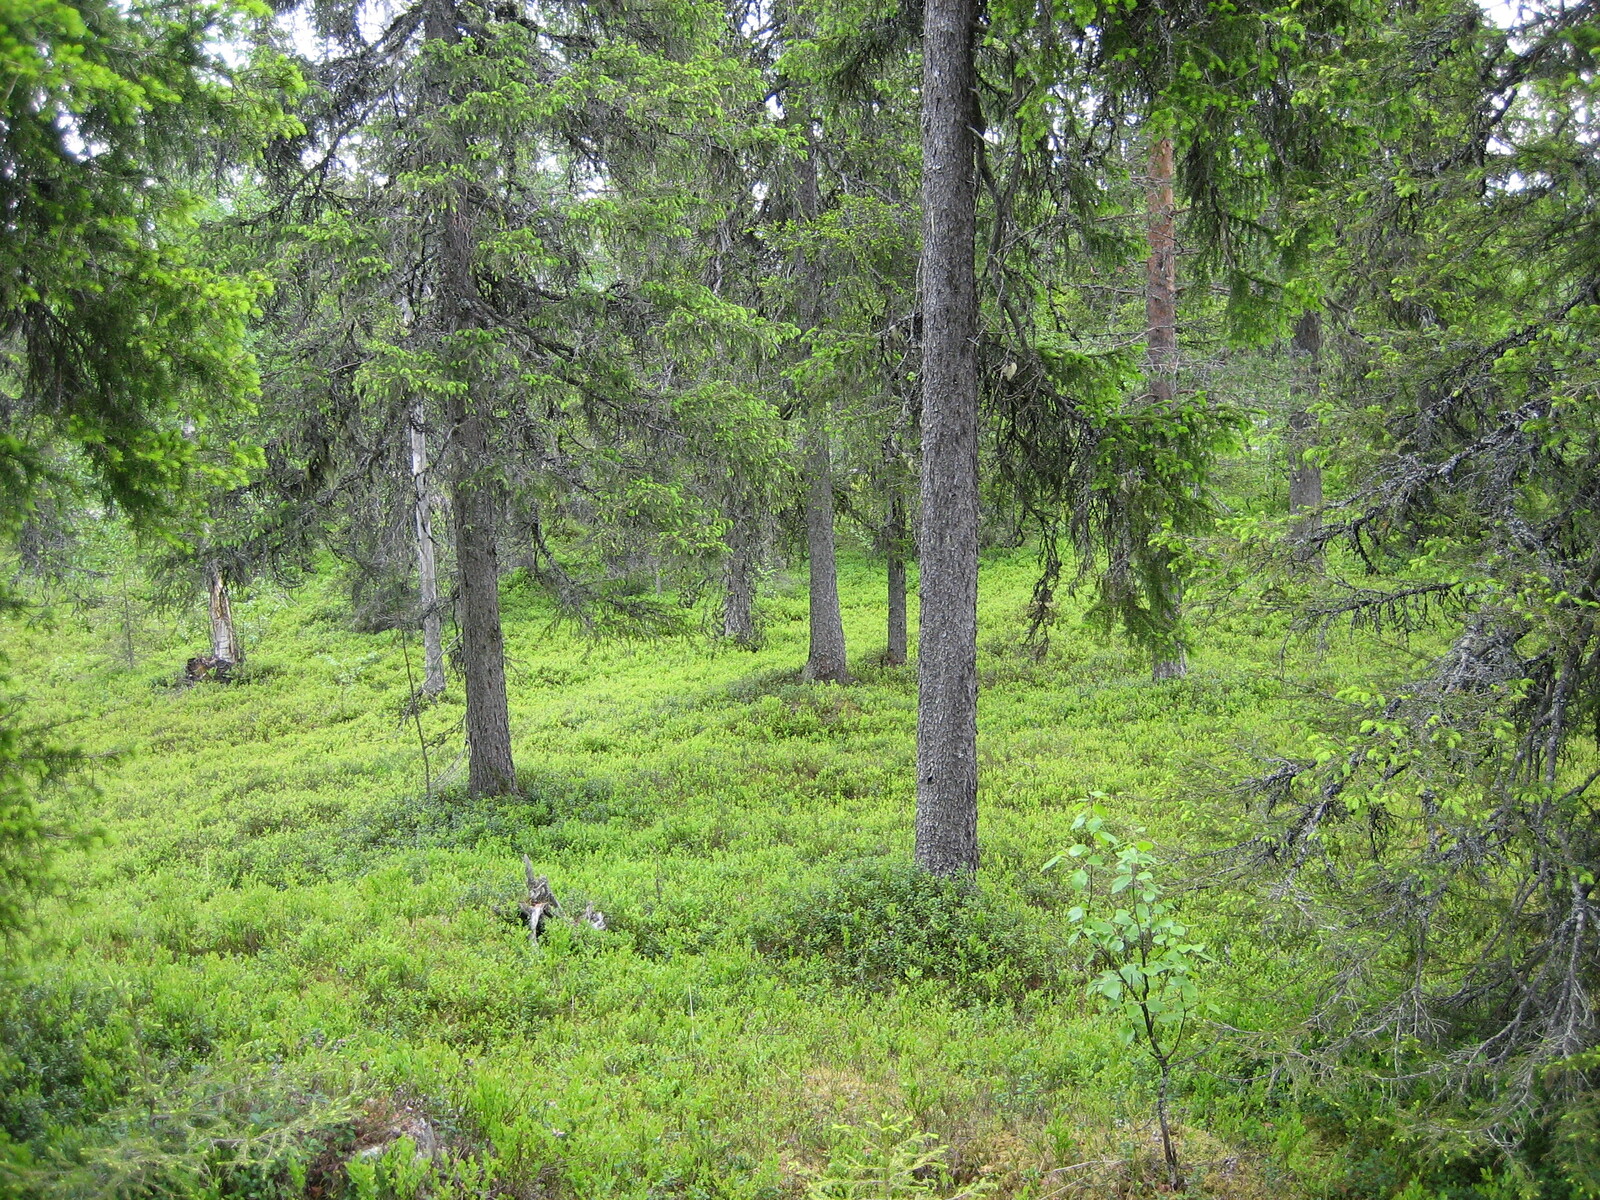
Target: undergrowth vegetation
[{"x": 288, "y": 968}]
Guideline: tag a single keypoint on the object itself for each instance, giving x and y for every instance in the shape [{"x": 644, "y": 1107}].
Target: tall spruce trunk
[
  {"x": 947, "y": 642},
  {"x": 427, "y": 565},
  {"x": 474, "y": 502},
  {"x": 224, "y": 638},
  {"x": 739, "y": 579},
  {"x": 826, "y": 661},
  {"x": 475, "y": 493},
  {"x": 1161, "y": 341},
  {"x": 1305, "y": 478},
  {"x": 894, "y": 537}
]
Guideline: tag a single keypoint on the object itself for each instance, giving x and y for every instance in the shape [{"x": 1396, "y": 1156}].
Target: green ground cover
[{"x": 281, "y": 951}]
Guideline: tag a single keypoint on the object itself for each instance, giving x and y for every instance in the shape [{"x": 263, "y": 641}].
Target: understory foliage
[
  {"x": 880, "y": 925},
  {"x": 771, "y": 967}
]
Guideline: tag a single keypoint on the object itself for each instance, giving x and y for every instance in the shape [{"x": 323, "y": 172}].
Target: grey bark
[
  {"x": 1161, "y": 340},
  {"x": 1170, "y": 666},
  {"x": 894, "y": 536},
  {"x": 427, "y": 563},
  {"x": 475, "y": 494},
  {"x": 739, "y": 580},
  {"x": 224, "y": 638},
  {"x": 826, "y": 661},
  {"x": 474, "y": 503},
  {"x": 947, "y": 642},
  {"x": 1305, "y": 479}
]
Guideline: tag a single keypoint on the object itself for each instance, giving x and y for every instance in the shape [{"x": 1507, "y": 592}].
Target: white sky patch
[{"x": 371, "y": 20}]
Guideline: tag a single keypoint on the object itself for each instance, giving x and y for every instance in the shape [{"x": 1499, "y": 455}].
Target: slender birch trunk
[
  {"x": 224, "y": 638},
  {"x": 427, "y": 567}
]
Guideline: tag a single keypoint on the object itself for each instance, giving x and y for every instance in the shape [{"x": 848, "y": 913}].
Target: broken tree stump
[
  {"x": 208, "y": 666},
  {"x": 540, "y": 904},
  {"x": 540, "y": 901}
]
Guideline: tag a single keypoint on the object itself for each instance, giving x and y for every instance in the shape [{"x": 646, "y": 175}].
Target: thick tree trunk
[
  {"x": 894, "y": 537},
  {"x": 427, "y": 568},
  {"x": 1305, "y": 479},
  {"x": 739, "y": 580},
  {"x": 1161, "y": 340},
  {"x": 474, "y": 494},
  {"x": 826, "y": 662},
  {"x": 947, "y": 644},
  {"x": 224, "y": 640},
  {"x": 490, "y": 771}
]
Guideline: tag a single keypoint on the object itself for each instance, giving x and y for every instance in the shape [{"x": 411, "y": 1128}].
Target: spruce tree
[
  {"x": 947, "y": 642},
  {"x": 114, "y": 329}
]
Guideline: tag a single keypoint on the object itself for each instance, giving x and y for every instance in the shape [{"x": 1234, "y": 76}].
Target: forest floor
[{"x": 282, "y": 951}]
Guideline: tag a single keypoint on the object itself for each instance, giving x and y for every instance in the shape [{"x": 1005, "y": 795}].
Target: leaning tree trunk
[
  {"x": 427, "y": 567},
  {"x": 224, "y": 638},
  {"x": 1161, "y": 355},
  {"x": 1305, "y": 478},
  {"x": 475, "y": 495},
  {"x": 826, "y": 662},
  {"x": 947, "y": 644},
  {"x": 739, "y": 579},
  {"x": 894, "y": 537}
]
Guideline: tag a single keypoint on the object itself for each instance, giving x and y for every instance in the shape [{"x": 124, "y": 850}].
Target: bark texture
[
  {"x": 490, "y": 771},
  {"x": 947, "y": 643},
  {"x": 1161, "y": 338},
  {"x": 1305, "y": 479},
  {"x": 427, "y": 563},
  {"x": 894, "y": 536},
  {"x": 224, "y": 639},
  {"x": 739, "y": 580},
  {"x": 1161, "y": 277},
  {"x": 826, "y": 661},
  {"x": 826, "y": 658},
  {"x": 475, "y": 498}
]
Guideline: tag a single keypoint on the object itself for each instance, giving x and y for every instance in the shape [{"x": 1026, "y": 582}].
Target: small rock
[{"x": 416, "y": 1128}]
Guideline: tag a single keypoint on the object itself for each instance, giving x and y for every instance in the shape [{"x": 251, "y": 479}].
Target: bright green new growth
[
  {"x": 888, "y": 1160},
  {"x": 1146, "y": 960}
]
